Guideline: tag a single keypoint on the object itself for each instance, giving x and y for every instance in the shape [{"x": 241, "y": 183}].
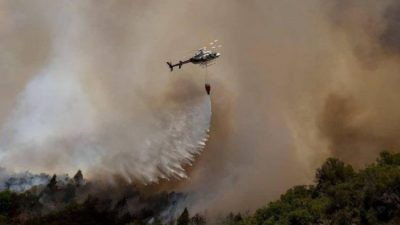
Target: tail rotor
[{"x": 170, "y": 66}]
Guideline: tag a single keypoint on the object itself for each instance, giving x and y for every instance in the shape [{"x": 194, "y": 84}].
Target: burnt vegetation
[{"x": 340, "y": 195}]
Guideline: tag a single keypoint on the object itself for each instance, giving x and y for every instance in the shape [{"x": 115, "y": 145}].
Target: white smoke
[
  {"x": 56, "y": 126},
  {"x": 83, "y": 110},
  {"x": 20, "y": 182}
]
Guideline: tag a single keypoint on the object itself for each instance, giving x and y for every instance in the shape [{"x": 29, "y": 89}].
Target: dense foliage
[{"x": 340, "y": 195}]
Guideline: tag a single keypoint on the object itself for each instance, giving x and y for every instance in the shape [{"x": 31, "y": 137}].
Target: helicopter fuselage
[
  {"x": 204, "y": 57},
  {"x": 201, "y": 57}
]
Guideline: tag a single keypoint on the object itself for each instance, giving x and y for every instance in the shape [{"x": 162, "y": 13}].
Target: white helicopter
[{"x": 202, "y": 57}]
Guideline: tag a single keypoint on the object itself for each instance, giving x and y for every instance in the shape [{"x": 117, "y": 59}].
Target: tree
[
  {"x": 198, "y": 220},
  {"x": 78, "y": 178},
  {"x": 52, "y": 185},
  {"x": 5, "y": 202},
  {"x": 333, "y": 172},
  {"x": 183, "y": 218},
  {"x": 387, "y": 158}
]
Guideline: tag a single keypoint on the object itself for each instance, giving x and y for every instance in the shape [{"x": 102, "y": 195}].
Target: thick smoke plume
[
  {"x": 359, "y": 119},
  {"x": 296, "y": 83}
]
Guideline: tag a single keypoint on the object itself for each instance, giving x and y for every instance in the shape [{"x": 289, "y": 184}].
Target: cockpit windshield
[{"x": 199, "y": 52}]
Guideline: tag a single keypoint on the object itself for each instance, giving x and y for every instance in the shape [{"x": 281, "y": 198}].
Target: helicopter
[{"x": 202, "y": 57}]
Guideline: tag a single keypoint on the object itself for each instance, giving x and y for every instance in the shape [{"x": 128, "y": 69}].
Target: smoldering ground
[{"x": 296, "y": 83}]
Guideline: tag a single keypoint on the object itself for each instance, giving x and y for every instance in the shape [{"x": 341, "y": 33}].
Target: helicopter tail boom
[
  {"x": 171, "y": 67},
  {"x": 179, "y": 65}
]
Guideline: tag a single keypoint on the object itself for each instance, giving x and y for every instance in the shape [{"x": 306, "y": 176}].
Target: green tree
[
  {"x": 387, "y": 158},
  {"x": 333, "y": 172}
]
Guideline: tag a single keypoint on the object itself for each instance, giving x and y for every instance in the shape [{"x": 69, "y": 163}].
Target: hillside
[{"x": 340, "y": 195}]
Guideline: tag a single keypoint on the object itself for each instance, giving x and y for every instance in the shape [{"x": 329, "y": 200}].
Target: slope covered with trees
[{"x": 340, "y": 195}]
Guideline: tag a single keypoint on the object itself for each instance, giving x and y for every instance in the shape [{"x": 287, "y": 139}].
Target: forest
[{"x": 340, "y": 195}]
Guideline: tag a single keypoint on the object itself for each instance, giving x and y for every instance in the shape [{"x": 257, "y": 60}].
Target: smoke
[
  {"x": 314, "y": 80},
  {"x": 359, "y": 119},
  {"x": 20, "y": 182},
  {"x": 64, "y": 119},
  {"x": 296, "y": 83}
]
